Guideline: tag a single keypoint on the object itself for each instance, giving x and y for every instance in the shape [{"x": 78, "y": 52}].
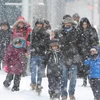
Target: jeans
[
  {"x": 37, "y": 68},
  {"x": 72, "y": 73}
]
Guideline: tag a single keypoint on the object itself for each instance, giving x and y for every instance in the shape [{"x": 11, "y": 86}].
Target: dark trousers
[
  {"x": 95, "y": 85},
  {"x": 85, "y": 79},
  {"x": 10, "y": 77},
  {"x": 54, "y": 84}
]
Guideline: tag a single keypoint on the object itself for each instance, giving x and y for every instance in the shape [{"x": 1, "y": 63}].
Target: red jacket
[
  {"x": 25, "y": 31},
  {"x": 15, "y": 59}
]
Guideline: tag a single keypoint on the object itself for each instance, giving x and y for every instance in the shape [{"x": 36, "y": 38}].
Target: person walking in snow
[
  {"x": 55, "y": 61},
  {"x": 94, "y": 75},
  {"x": 87, "y": 38},
  {"x": 5, "y": 38},
  {"x": 15, "y": 62},
  {"x": 76, "y": 19},
  {"x": 39, "y": 44},
  {"x": 67, "y": 36},
  {"x": 23, "y": 27}
]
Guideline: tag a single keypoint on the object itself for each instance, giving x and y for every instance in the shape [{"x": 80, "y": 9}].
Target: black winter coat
[
  {"x": 68, "y": 41},
  {"x": 55, "y": 62},
  {"x": 39, "y": 42},
  {"x": 5, "y": 38},
  {"x": 86, "y": 40}
]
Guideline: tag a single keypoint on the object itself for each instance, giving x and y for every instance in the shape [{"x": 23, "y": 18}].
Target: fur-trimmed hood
[{"x": 20, "y": 19}]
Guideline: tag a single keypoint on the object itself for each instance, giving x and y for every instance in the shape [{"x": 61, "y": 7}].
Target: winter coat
[
  {"x": 15, "y": 59},
  {"x": 86, "y": 38},
  {"x": 94, "y": 65},
  {"x": 26, "y": 30},
  {"x": 39, "y": 42},
  {"x": 68, "y": 41},
  {"x": 55, "y": 62},
  {"x": 5, "y": 37}
]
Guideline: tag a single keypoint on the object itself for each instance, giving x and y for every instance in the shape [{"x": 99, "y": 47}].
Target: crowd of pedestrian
[{"x": 68, "y": 52}]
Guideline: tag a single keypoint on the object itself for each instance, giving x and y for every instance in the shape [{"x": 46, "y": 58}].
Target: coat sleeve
[
  {"x": 7, "y": 55},
  {"x": 87, "y": 62},
  {"x": 94, "y": 37}
]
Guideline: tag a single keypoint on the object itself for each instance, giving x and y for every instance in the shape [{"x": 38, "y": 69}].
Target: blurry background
[{"x": 52, "y": 10}]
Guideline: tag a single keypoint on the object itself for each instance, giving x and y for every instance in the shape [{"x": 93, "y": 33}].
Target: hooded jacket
[
  {"x": 25, "y": 31},
  {"x": 94, "y": 64},
  {"x": 86, "y": 38},
  {"x": 15, "y": 58},
  {"x": 5, "y": 38}
]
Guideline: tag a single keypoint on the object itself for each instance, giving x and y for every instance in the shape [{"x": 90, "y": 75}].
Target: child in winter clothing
[
  {"x": 15, "y": 61},
  {"x": 94, "y": 63},
  {"x": 5, "y": 37},
  {"x": 54, "y": 69},
  {"x": 23, "y": 27}
]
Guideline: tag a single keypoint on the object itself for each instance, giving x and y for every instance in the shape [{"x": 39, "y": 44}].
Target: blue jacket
[{"x": 94, "y": 67}]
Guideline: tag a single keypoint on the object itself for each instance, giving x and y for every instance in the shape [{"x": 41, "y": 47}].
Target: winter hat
[
  {"x": 39, "y": 21},
  {"x": 54, "y": 42},
  {"x": 18, "y": 38},
  {"x": 21, "y": 18},
  {"x": 76, "y": 15},
  {"x": 65, "y": 16},
  {"x": 68, "y": 20},
  {"x": 94, "y": 48}
]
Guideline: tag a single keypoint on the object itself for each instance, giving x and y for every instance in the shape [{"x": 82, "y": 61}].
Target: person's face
[
  {"x": 54, "y": 47},
  {"x": 76, "y": 19},
  {"x": 21, "y": 24},
  {"x": 84, "y": 25},
  {"x": 93, "y": 52},
  {"x": 68, "y": 25},
  {"x": 4, "y": 27},
  {"x": 18, "y": 44},
  {"x": 39, "y": 26}
]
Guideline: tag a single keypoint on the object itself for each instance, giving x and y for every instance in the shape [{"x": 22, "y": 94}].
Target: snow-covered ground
[{"x": 25, "y": 93}]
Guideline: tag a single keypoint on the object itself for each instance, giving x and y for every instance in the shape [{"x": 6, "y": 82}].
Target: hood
[
  {"x": 5, "y": 23},
  {"x": 18, "y": 37},
  {"x": 20, "y": 19},
  {"x": 84, "y": 19}
]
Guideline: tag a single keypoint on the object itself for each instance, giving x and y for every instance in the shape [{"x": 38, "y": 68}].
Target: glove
[
  {"x": 28, "y": 43},
  {"x": 6, "y": 69},
  {"x": 27, "y": 55}
]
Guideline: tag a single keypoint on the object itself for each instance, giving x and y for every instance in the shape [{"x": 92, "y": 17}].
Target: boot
[
  {"x": 64, "y": 98},
  {"x": 14, "y": 88},
  {"x": 33, "y": 86},
  {"x": 39, "y": 87},
  {"x": 72, "y": 97},
  {"x": 6, "y": 84}
]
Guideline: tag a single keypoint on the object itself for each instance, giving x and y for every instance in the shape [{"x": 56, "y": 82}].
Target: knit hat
[
  {"x": 54, "y": 42},
  {"x": 76, "y": 15},
  {"x": 95, "y": 48},
  {"x": 68, "y": 20},
  {"x": 39, "y": 21}
]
